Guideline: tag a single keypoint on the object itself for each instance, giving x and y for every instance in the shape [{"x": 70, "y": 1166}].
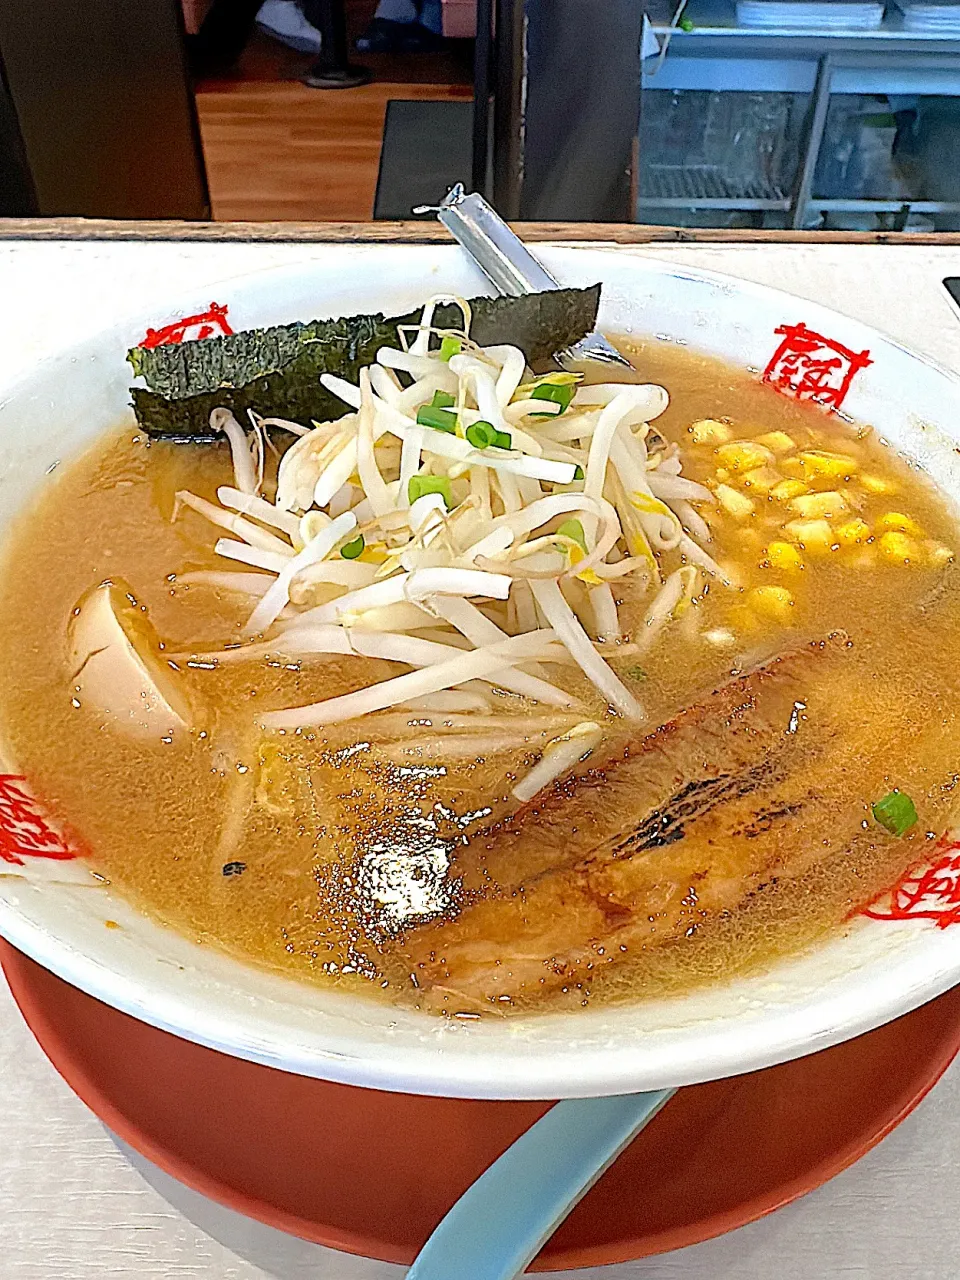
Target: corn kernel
[
  {"x": 819, "y": 506},
  {"x": 773, "y": 602},
  {"x": 778, "y": 441},
  {"x": 788, "y": 489},
  {"x": 818, "y": 463},
  {"x": 877, "y": 484},
  {"x": 898, "y": 548},
  {"x": 938, "y": 554},
  {"x": 710, "y": 431},
  {"x": 784, "y": 557},
  {"x": 853, "y": 532},
  {"x": 761, "y": 480},
  {"x": 722, "y": 474},
  {"x": 897, "y": 522},
  {"x": 743, "y": 455},
  {"x": 793, "y": 468},
  {"x": 814, "y": 536},
  {"x": 737, "y": 504}
]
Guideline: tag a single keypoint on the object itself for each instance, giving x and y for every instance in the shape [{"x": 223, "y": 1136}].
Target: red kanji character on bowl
[
  {"x": 23, "y": 831},
  {"x": 808, "y": 366},
  {"x": 924, "y": 893}
]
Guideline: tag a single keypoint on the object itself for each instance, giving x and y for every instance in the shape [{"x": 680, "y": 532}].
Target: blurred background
[{"x": 805, "y": 114}]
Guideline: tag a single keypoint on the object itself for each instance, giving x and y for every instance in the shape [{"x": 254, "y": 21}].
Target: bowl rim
[{"x": 924, "y": 968}]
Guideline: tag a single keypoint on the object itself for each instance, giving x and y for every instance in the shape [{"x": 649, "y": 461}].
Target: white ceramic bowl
[{"x": 872, "y": 972}]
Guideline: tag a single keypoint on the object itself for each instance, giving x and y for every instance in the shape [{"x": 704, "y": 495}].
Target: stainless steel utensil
[{"x": 509, "y": 265}]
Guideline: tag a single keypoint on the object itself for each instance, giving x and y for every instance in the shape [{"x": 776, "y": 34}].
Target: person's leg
[
  {"x": 397, "y": 11},
  {"x": 403, "y": 26},
  {"x": 286, "y": 21},
  {"x": 431, "y": 16},
  {"x": 223, "y": 34}
]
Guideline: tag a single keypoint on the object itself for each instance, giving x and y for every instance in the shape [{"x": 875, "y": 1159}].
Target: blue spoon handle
[{"x": 500, "y": 1223}]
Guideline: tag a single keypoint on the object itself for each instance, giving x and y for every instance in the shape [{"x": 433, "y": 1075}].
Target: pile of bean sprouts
[{"x": 479, "y": 553}]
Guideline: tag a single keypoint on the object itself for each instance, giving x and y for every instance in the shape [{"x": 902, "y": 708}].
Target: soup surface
[{"x": 731, "y": 824}]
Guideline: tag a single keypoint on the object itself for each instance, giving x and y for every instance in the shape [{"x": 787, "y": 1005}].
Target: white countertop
[{"x": 74, "y": 1206}]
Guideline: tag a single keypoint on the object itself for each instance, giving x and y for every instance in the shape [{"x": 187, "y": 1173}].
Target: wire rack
[{"x": 705, "y": 186}]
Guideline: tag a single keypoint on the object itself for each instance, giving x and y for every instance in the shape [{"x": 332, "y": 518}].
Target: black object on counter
[{"x": 332, "y": 70}]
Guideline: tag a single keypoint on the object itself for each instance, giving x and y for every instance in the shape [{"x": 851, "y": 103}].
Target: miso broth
[{"x": 387, "y": 853}]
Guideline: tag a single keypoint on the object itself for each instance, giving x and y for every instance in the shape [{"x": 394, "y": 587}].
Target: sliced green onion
[
  {"x": 482, "y": 435},
  {"x": 896, "y": 812},
  {"x": 577, "y": 471},
  {"x": 420, "y": 486},
  {"x": 429, "y": 415},
  {"x": 561, "y": 395},
  {"x": 573, "y": 530},
  {"x": 559, "y": 378},
  {"x": 636, "y": 673},
  {"x": 450, "y": 347},
  {"x": 350, "y": 550},
  {"x": 443, "y": 400}
]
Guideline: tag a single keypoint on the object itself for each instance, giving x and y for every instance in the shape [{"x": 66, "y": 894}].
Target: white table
[{"x": 73, "y": 1206}]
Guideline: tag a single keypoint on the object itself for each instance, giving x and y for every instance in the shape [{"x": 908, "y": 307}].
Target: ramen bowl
[{"x": 870, "y": 971}]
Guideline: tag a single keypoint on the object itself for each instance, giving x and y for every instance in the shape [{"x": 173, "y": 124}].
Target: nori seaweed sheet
[{"x": 276, "y": 371}]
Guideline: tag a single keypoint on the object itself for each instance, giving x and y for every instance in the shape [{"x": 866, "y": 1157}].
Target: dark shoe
[{"x": 384, "y": 36}]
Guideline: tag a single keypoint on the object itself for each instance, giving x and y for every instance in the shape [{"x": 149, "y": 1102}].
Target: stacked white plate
[
  {"x": 941, "y": 19},
  {"x": 812, "y": 15}
]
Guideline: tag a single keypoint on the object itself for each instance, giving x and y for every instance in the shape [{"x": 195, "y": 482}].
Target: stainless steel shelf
[
  {"x": 885, "y": 206},
  {"x": 705, "y": 187}
]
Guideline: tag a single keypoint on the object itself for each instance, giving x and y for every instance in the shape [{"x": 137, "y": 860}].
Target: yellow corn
[
  {"x": 853, "y": 532},
  {"x": 898, "y": 548},
  {"x": 818, "y": 463},
  {"x": 762, "y": 480},
  {"x": 793, "y": 468},
  {"x": 897, "y": 522},
  {"x": 743, "y": 455},
  {"x": 710, "y": 431},
  {"x": 773, "y": 602},
  {"x": 788, "y": 489},
  {"x": 814, "y": 536},
  {"x": 784, "y": 557},
  {"x": 778, "y": 441},
  {"x": 819, "y": 506},
  {"x": 938, "y": 554},
  {"x": 722, "y": 474},
  {"x": 737, "y": 504},
  {"x": 877, "y": 484}
]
